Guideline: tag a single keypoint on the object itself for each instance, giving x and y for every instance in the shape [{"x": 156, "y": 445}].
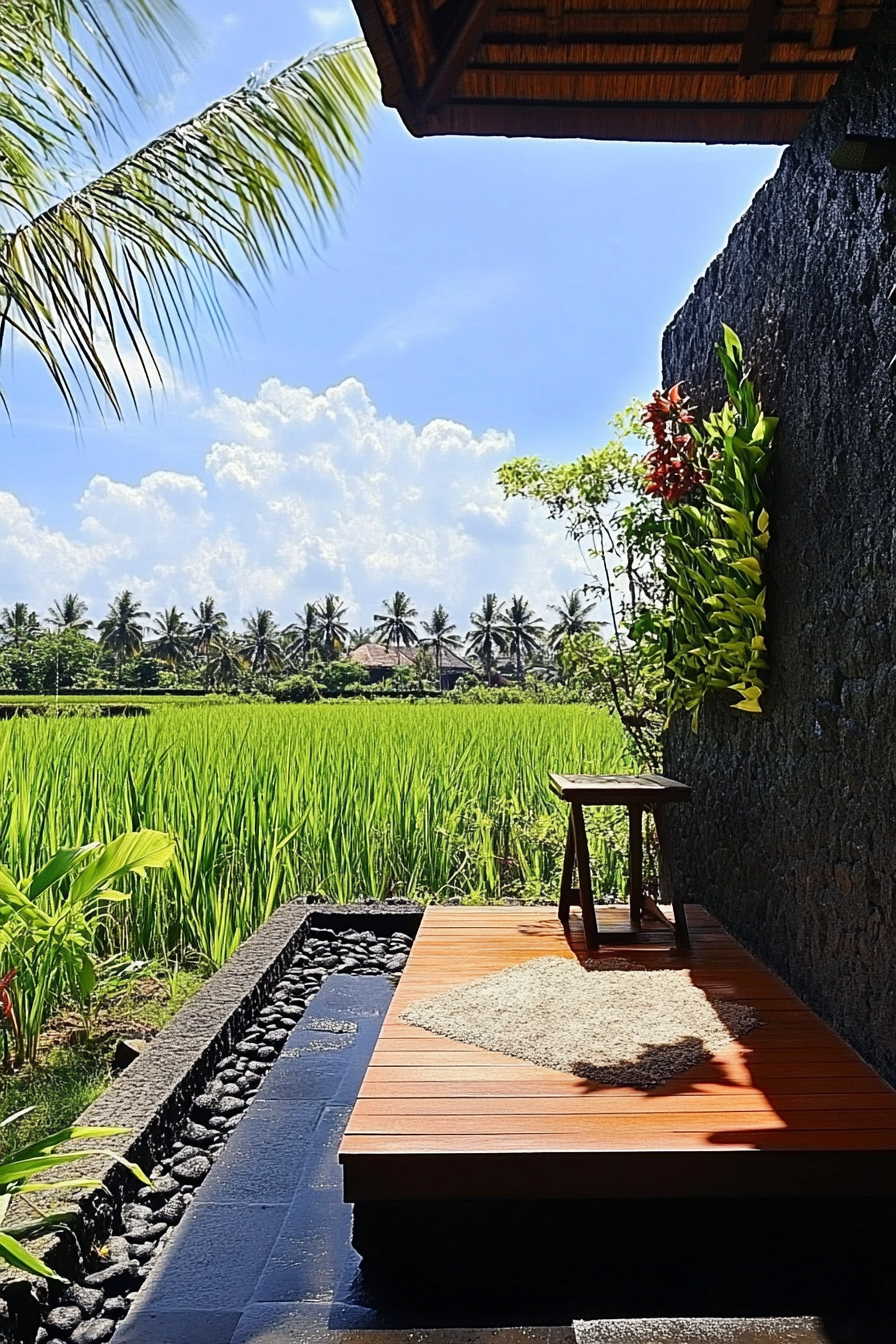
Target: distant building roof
[{"x": 377, "y": 655}]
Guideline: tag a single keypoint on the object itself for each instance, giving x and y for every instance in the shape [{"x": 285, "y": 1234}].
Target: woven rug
[{"x": 616, "y": 1027}]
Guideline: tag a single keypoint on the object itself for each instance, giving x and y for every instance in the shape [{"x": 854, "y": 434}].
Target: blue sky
[{"x": 484, "y": 297}]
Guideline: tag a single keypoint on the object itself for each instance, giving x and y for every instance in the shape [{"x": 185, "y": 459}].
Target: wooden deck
[{"x": 789, "y": 1110}]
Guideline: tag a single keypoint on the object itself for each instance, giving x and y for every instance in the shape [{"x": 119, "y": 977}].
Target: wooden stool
[{"x": 640, "y": 794}]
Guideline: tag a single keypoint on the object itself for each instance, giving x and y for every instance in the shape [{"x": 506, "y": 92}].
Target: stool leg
[
  {"x": 569, "y": 858},
  {"x": 635, "y": 866},
  {"x": 583, "y": 864},
  {"x": 668, "y": 886}
]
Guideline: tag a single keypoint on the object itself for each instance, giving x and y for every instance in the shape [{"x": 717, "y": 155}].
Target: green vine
[{"x": 710, "y": 631}]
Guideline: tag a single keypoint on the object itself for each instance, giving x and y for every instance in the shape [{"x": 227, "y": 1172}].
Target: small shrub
[{"x": 298, "y": 690}]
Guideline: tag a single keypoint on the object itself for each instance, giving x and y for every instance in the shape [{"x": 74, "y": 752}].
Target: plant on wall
[
  {"x": 677, "y": 539},
  {"x": 710, "y": 628}
]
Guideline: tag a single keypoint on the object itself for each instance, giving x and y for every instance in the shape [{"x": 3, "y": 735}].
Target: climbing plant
[
  {"x": 676, "y": 541},
  {"x": 709, "y": 631}
]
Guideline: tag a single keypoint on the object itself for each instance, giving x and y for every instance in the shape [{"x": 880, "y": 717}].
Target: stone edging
[{"x": 153, "y": 1096}]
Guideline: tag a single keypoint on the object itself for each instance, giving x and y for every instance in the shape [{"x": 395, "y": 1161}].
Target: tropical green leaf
[
  {"x": 61, "y": 864},
  {"x": 133, "y": 852},
  {"x": 41, "y": 1147},
  {"x": 19, "y": 1258}
]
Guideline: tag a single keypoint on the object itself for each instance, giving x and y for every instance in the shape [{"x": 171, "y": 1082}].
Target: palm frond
[
  {"x": 64, "y": 65},
  {"x": 136, "y": 255}
]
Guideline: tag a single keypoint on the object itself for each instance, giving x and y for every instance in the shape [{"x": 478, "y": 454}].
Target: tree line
[{"x": 132, "y": 648}]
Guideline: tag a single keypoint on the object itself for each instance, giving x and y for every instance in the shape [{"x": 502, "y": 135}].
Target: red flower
[
  {"x": 7, "y": 1011},
  {"x": 671, "y": 469}
]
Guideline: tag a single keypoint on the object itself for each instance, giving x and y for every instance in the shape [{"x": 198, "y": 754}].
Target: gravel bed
[{"x": 88, "y": 1311}]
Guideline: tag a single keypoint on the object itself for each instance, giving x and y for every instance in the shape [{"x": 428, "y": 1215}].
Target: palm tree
[
  {"x": 120, "y": 631},
  {"x": 209, "y": 626},
  {"x": 442, "y": 636},
  {"x": 486, "y": 637},
  {"x": 69, "y": 614},
  {"x": 226, "y": 661},
  {"x": 172, "y": 637},
  {"x": 395, "y": 624},
  {"x": 19, "y": 625},
  {"x": 360, "y": 636},
  {"x": 573, "y": 611},
  {"x": 523, "y": 632},
  {"x": 303, "y": 636},
  {"x": 331, "y": 625},
  {"x": 252, "y": 177},
  {"x": 259, "y": 643}
]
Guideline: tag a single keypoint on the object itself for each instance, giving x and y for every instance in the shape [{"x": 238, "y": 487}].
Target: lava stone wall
[{"x": 791, "y": 839}]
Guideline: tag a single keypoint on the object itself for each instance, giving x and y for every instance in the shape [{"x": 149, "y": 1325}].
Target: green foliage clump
[
  {"x": 677, "y": 542},
  {"x": 714, "y": 541},
  {"x": 49, "y": 920},
  {"x": 301, "y": 689}
]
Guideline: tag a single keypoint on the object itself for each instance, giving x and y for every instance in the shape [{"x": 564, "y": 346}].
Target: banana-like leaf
[
  {"x": 133, "y": 852},
  {"x": 19, "y": 1258},
  {"x": 42, "y": 1147},
  {"x": 76, "y": 1183},
  {"x": 61, "y": 864}
]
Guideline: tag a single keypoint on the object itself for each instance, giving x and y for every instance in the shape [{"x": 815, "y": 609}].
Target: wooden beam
[
  {"x": 754, "y": 51},
  {"x": 453, "y": 61},
  {"x": 824, "y": 26}
]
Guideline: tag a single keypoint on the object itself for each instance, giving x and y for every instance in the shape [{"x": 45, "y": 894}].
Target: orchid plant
[{"x": 715, "y": 531}]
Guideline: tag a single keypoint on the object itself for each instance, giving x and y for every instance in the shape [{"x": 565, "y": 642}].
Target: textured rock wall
[{"x": 791, "y": 839}]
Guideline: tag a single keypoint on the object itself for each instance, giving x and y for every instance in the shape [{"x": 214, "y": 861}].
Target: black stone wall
[{"x": 791, "y": 839}]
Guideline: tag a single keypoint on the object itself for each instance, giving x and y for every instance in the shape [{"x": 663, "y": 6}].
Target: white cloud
[
  {"x": 301, "y": 494},
  {"x": 437, "y": 310},
  {"x": 327, "y": 20}
]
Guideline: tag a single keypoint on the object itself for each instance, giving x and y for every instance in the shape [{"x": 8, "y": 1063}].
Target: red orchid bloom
[
  {"x": 7, "y": 1011},
  {"x": 671, "y": 469}
]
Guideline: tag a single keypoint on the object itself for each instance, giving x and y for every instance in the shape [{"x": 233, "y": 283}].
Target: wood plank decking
[{"x": 789, "y": 1110}]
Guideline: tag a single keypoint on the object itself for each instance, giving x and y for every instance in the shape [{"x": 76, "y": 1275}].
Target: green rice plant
[{"x": 341, "y": 800}]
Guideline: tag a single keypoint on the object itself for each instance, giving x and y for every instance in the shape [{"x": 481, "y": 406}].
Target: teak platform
[{"x": 787, "y": 1129}]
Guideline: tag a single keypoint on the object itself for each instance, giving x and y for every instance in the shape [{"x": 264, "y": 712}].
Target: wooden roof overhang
[{"x": 719, "y": 71}]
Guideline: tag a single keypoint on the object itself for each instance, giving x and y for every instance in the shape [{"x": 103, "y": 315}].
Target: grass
[
  {"x": 73, "y": 1067},
  {"x": 345, "y": 801}
]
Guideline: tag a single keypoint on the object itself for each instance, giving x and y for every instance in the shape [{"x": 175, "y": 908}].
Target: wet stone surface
[{"x": 92, "y": 1311}]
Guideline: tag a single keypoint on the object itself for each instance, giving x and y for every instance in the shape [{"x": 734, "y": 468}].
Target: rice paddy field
[{"x": 342, "y": 801}]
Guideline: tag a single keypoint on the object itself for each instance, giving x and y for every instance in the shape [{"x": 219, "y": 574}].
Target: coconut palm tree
[
  {"x": 443, "y": 637},
  {"x": 259, "y": 644},
  {"x": 121, "y": 632},
  {"x": 93, "y": 279},
  {"x": 360, "y": 636},
  {"x": 209, "y": 626},
  {"x": 69, "y": 614},
  {"x": 172, "y": 637},
  {"x": 395, "y": 624},
  {"x": 301, "y": 640},
  {"x": 331, "y": 625},
  {"x": 522, "y": 631},
  {"x": 226, "y": 661},
  {"x": 19, "y": 625},
  {"x": 487, "y": 637},
  {"x": 574, "y": 612}
]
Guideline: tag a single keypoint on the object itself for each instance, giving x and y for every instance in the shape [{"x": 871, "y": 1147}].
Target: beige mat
[
  {"x": 705, "y": 1330},
  {"x": 616, "y": 1027}
]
